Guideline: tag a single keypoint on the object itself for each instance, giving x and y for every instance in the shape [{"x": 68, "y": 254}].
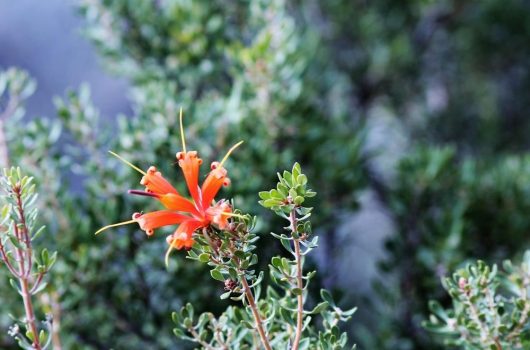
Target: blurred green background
[{"x": 409, "y": 118}]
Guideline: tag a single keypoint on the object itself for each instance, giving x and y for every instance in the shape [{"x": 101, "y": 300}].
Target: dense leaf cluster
[
  {"x": 231, "y": 256},
  {"x": 490, "y": 307}
]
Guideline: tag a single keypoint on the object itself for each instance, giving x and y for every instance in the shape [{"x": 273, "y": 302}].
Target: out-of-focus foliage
[
  {"x": 490, "y": 307},
  {"x": 456, "y": 75},
  {"x": 453, "y": 71},
  {"x": 448, "y": 210}
]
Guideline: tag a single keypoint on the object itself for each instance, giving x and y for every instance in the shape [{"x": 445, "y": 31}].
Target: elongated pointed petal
[
  {"x": 183, "y": 237},
  {"x": 156, "y": 219},
  {"x": 156, "y": 183},
  {"x": 190, "y": 163},
  {"x": 212, "y": 184},
  {"x": 178, "y": 203}
]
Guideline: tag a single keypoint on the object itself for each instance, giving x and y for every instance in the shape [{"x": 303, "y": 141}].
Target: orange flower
[{"x": 191, "y": 215}]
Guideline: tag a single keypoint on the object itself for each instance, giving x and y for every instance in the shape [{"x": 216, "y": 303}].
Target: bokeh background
[
  {"x": 410, "y": 119},
  {"x": 46, "y": 40}
]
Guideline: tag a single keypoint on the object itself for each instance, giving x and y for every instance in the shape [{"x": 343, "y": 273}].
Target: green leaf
[
  {"x": 14, "y": 284},
  {"x": 282, "y": 189},
  {"x": 233, "y": 273},
  {"x": 40, "y": 288},
  {"x": 188, "y": 323},
  {"x": 42, "y": 337},
  {"x": 276, "y": 262},
  {"x": 319, "y": 308},
  {"x": 38, "y": 232},
  {"x": 45, "y": 256},
  {"x": 349, "y": 312},
  {"x": 204, "y": 257},
  {"x": 247, "y": 324},
  {"x": 437, "y": 309},
  {"x": 240, "y": 254},
  {"x": 298, "y": 200},
  {"x": 51, "y": 261},
  {"x": 326, "y": 296},
  {"x": 217, "y": 275},
  {"x": 276, "y": 195},
  {"x": 297, "y": 291},
  {"x": 301, "y": 179},
  {"x": 288, "y": 178},
  {"x": 271, "y": 203},
  {"x": 286, "y": 244},
  {"x": 178, "y": 333},
  {"x": 264, "y": 195},
  {"x": 297, "y": 170}
]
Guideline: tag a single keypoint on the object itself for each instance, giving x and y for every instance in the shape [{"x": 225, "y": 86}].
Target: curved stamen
[
  {"x": 233, "y": 215},
  {"x": 229, "y": 152},
  {"x": 182, "y": 132},
  {"x": 128, "y": 163},
  {"x": 168, "y": 252},
  {"x": 114, "y": 225}
]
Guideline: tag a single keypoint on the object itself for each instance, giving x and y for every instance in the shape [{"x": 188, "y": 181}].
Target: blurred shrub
[
  {"x": 456, "y": 76},
  {"x": 452, "y": 71},
  {"x": 447, "y": 211}
]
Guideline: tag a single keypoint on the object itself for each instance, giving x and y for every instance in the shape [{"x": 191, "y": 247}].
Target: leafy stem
[
  {"x": 279, "y": 318},
  {"x": 23, "y": 256},
  {"x": 255, "y": 312},
  {"x": 17, "y": 220},
  {"x": 198, "y": 339},
  {"x": 299, "y": 281}
]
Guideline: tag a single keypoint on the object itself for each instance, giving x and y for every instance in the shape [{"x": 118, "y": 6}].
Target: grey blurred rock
[{"x": 44, "y": 38}]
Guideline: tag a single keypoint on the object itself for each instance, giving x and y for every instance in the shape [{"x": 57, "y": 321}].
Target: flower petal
[
  {"x": 150, "y": 221},
  {"x": 189, "y": 162},
  {"x": 176, "y": 202},
  {"x": 213, "y": 182},
  {"x": 156, "y": 183},
  {"x": 183, "y": 237}
]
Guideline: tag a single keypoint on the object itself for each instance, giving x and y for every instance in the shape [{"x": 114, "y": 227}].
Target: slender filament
[
  {"x": 182, "y": 132},
  {"x": 234, "y": 215},
  {"x": 168, "y": 253},
  {"x": 128, "y": 163},
  {"x": 229, "y": 152},
  {"x": 114, "y": 225}
]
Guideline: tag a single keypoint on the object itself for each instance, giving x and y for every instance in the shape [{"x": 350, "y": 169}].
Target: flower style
[{"x": 192, "y": 214}]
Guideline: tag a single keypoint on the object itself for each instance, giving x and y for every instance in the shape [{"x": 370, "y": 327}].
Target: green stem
[
  {"x": 299, "y": 284},
  {"x": 255, "y": 313},
  {"x": 24, "y": 275}
]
